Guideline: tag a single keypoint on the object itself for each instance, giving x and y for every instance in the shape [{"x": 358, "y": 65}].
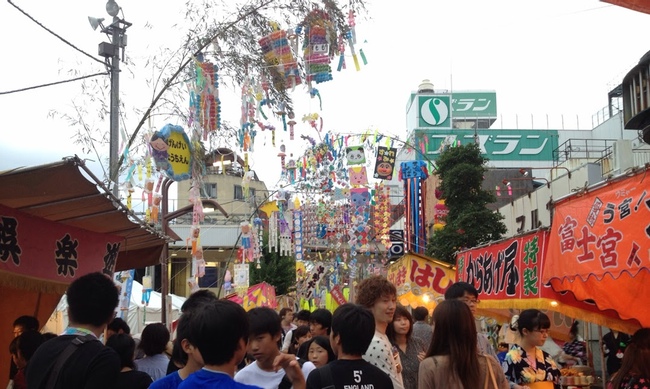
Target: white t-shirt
[
  {"x": 287, "y": 341},
  {"x": 380, "y": 354},
  {"x": 253, "y": 375}
]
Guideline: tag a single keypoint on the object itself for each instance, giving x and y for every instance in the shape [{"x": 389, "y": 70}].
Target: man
[
  {"x": 117, "y": 326},
  {"x": 379, "y": 296},
  {"x": 92, "y": 299},
  {"x": 300, "y": 319},
  {"x": 286, "y": 320},
  {"x": 22, "y": 324},
  {"x": 320, "y": 322},
  {"x": 421, "y": 329},
  {"x": 467, "y": 293},
  {"x": 221, "y": 354},
  {"x": 264, "y": 335},
  {"x": 353, "y": 328}
]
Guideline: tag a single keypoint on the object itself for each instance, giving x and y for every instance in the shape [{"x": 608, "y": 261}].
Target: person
[
  {"x": 286, "y": 320},
  {"x": 221, "y": 354},
  {"x": 153, "y": 343},
  {"x": 574, "y": 352},
  {"x": 614, "y": 344},
  {"x": 502, "y": 351},
  {"x": 320, "y": 351},
  {"x": 196, "y": 299},
  {"x": 526, "y": 362},
  {"x": 299, "y": 336},
  {"x": 129, "y": 378},
  {"x": 635, "y": 368},
  {"x": 421, "y": 329},
  {"x": 352, "y": 330},
  {"x": 300, "y": 319},
  {"x": 22, "y": 348},
  {"x": 92, "y": 299},
  {"x": 453, "y": 360},
  {"x": 468, "y": 294},
  {"x": 117, "y": 326},
  {"x": 411, "y": 349},
  {"x": 190, "y": 357},
  {"x": 22, "y": 324},
  {"x": 320, "y": 322},
  {"x": 263, "y": 344},
  {"x": 378, "y": 295}
]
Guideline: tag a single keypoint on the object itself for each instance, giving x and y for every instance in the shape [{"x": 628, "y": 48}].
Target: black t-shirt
[
  {"x": 91, "y": 366},
  {"x": 352, "y": 374},
  {"x": 133, "y": 379}
]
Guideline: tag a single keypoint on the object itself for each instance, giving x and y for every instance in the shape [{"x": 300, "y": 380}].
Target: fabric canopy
[
  {"x": 508, "y": 275},
  {"x": 636, "y": 5},
  {"x": 420, "y": 280},
  {"x": 599, "y": 247}
]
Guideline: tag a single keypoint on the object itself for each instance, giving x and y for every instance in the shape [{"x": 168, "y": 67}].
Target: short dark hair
[
  {"x": 458, "y": 289},
  {"x": 29, "y": 323},
  {"x": 124, "y": 346},
  {"x": 92, "y": 299},
  {"x": 532, "y": 319},
  {"x": 323, "y": 317},
  {"x": 26, "y": 343},
  {"x": 264, "y": 320},
  {"x": 355, "y": 326},
  {"x": 420, "y": 313},
  {"x": 216, "y": 329},
  {"x": 182, "y": 332},
  {"x": 372, "y": 289},
  {"x": 154, "y": 339},
  {"x": 324, "y": 342},
  {"x": 400, "y": 311},
  {"x": 119, "y": 324},
  {"x": 197, "y": 298},
  {"x": 284, "y": 311},
  {"x": 303, "y": 315}
]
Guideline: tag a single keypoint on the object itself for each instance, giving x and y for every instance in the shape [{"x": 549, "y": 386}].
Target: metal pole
[
  {"x": 115, "y": 107},
  {"x": 164, "y": 276}
]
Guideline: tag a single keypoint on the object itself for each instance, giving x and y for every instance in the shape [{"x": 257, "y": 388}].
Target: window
[
  {"x": 239, "y": 192},
  {"x": 211, "y": 277},
  {"x": 210, "y": 190},
  {"x": 251, "y": 194}
]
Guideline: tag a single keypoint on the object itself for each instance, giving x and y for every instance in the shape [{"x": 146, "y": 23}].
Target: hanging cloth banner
[{"x": 385, "y": 163}]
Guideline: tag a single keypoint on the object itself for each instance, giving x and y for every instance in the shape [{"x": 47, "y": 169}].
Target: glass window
[
  {"x": 210, "y": 190},
  {"x": 239, "y": 192}
]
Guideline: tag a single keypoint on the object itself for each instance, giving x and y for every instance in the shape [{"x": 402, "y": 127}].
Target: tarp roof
[{"x": 68, "y": 193}]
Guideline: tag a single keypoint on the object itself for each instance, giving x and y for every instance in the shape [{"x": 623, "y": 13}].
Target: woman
[
  {"x": 452, "y": 359},
  {"x": 153, "y": 342},
  {"x": 124, "y": 346},
  {"x": 574, "y": 351},
  {"x": 635, "y": 367},
  {"x": 411, "y": 350},
  {"x": 526, "y": 363},
  {"x": 299, "y": 336},
  {"x": 320, "y": 351},
  {"x": 21, "y": 349}
]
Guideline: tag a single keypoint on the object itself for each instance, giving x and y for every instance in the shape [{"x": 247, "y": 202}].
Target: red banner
[
  {"x": 46, "y": 250},
  {"x": 337, "y": 295}
]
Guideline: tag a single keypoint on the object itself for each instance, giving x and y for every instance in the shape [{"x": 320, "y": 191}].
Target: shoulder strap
[
  {"x": 490, "y": 373},
  {"x": 53, "y": 376},
  {"x": 327, "y": 381}
]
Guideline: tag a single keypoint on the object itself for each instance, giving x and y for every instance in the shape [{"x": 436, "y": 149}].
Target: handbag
[{"x": 490, "y": 375}]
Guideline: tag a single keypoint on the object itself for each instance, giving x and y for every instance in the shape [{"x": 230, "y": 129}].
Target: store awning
[{"x": 636, "y": 5}]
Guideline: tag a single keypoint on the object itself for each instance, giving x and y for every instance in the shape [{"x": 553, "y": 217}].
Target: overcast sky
[{"x": 552, "y": 57}]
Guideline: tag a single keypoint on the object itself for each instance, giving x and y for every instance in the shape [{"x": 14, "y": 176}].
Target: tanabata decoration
[
  {"x": 385, "y": 163},
  {"x": 180, "y": 152},
  {"x": 282, "y": 65},
  {"x": 158, "y": 144},
  {"x": 316, "y": 46},
  {"x": 413, "y": 174},
  {"x": 205, "y": 106},
  {"x": 355, "y": 155},
  {"x": 312, "y": 119}
]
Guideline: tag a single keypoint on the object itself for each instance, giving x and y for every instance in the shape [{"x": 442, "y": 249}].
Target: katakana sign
[{"x": 474, "y": 105}]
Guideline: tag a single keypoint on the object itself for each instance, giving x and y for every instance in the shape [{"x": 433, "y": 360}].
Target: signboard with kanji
[{"x": 416, "y": 276}]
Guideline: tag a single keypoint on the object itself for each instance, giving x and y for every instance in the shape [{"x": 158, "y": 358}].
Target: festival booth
[
  {"x": 59, "y": 222},
  {"x": 508, "y": 276},
  {"x": 598, "y": 249},
  {"x": 420, "y": 280}
]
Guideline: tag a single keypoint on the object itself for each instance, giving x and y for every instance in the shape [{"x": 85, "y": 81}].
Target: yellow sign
[{"x": 420, "y": 281}]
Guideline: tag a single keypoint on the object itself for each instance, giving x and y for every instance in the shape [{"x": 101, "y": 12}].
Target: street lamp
[{"x": 111, "y": 51}]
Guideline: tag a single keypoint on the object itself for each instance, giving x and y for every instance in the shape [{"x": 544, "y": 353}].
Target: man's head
[
  {"x": 24, "y": 346},
  {"x": 353, "y": 328},
  {"x": 380, "y": 296},
  {"x": 197, "y": 298},
  {"x": 92, "y": 299},
  {"x": 220, "y": 331},
  {"x": 420, "y": 314},
  {"x": 184, "y": 350},
  {"x": 265, "y": 335},
  {"x": 117, "y": 326},
  {"x": 465, "y": 292},
  {"x": 286, "y": 315},
  {"x": 302, "y": 318},
  {"x": 25, "y": 323},
  {"x": 320, "y": 322}
]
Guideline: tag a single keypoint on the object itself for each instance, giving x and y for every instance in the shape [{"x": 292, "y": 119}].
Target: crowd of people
[{"x": 373, "y": 343}]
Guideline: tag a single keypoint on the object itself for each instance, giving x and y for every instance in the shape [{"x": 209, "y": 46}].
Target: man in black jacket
[{"x": 92, "y": 299}]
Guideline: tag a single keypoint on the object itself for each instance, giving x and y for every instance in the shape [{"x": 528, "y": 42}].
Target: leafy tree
[
  {"x": 469, "y": 222},
  {"x": 277, "y": 270}
]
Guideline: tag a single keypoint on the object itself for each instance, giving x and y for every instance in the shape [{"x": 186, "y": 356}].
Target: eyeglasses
[{"x": 470, "y": 301}]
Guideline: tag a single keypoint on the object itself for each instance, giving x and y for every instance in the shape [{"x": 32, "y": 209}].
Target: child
[
  {"x": 320, "y": 351},
  {"x": 299, "y": 336}
]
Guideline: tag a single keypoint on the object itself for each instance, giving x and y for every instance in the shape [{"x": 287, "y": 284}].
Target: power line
[
  {"x": 56, "y": 35},
  {"x": 53, "y": 83}
]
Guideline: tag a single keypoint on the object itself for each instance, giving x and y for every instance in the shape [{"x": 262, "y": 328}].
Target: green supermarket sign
[{"x": 434, "y": 111}]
